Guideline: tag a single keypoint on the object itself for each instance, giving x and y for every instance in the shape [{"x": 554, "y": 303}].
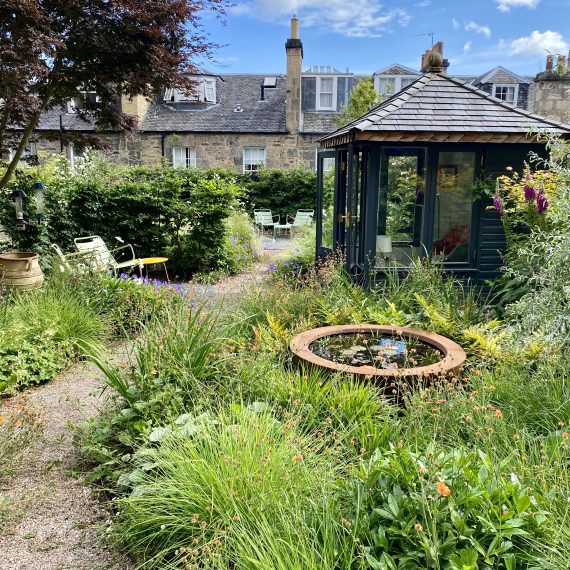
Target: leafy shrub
[
  {"x": 455, "y": 510},
  {"x": 40, "y": 333},
  {"x": 241, "y": 248}
]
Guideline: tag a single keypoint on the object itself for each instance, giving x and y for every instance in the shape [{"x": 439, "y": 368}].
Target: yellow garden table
[{"x": 146, "y": 261}]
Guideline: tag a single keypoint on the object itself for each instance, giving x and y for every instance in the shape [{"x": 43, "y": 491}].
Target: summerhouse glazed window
[{"x": 253, "y": 159}]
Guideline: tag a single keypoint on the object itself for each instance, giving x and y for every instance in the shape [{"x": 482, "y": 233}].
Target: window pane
[
  {"x": 400, "y": 207},
  {"x": 253, "y": 159},
  {"x": 453, "y": 206},
  {"x": 387, "y": 85},
  {"x": 326, "y": 94},
  {"x": 328, "y": 201}
]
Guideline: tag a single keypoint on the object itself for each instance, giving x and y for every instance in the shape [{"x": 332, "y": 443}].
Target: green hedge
[
  {"x": 160, "y": 211},
  {"x": 282, "y": 191}
]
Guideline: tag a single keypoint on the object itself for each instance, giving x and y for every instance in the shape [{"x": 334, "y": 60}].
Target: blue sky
[{"x": 368, "y": 35}]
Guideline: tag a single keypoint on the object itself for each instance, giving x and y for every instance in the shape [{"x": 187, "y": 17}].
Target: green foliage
[
  {"x": 363, "y": 98},
  {"x": 538, "y": 266},
  {"x": 241, "y": 247},
  {"x": 179, "y": 213},
  {"x": 441, "y": 509},
  {"x": 282, "y": 191},
  {"x": 175, "y": 359},
  {"x": 40, "y": 332}
]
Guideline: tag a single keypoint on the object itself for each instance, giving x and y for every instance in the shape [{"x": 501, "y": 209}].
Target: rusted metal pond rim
[{"x": 453, "y": 355}]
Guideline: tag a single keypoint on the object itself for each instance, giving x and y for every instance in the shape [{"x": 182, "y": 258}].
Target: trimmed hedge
[{"x": 160, "y": 211}]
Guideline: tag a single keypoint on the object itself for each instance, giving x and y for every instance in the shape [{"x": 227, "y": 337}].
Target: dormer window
[
  {"x": 204, "y": 92},
  {"x": 78, "y": 102},
  {"x": 387, "y": 85},
  {"x": 506, "y": 93},
  {"x": 325, "y": 87}
]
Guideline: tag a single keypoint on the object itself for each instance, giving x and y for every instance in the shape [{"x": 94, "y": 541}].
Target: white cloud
[
  {"x": 423, "y": 4},
  {"x": 473, "y": 27},
  {"x": 467, "y": 47},
  {"x": 358, "y": 18},
  {"x": 455, "y": 24},
  {"x": 536, "y": 43},
  {"x": 506, "y": 5}
]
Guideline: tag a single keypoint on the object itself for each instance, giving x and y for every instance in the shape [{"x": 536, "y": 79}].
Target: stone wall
[{"x": 212, "y": 149}]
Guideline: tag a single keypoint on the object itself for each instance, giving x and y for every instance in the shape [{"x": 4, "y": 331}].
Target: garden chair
[
  {"x": 100, "y": 257},
  {"x": 301, "y": 218},
  {"x": 265, "y": 219},
  {"x": 69, "y": 261}
]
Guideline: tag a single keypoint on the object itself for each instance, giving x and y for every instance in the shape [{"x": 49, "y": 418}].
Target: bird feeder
[
  {"x": 39, "y": 189},
  {"x": 18, "y": 197}
]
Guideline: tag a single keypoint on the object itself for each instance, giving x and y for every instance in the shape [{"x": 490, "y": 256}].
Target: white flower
[{"x": 120, "y": 239}]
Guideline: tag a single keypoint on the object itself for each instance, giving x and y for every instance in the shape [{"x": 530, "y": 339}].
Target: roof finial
[{"x": 434, "y": 62}]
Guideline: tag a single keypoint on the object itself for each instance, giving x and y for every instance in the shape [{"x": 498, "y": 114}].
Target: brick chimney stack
[{"x": 294, "y": 49}]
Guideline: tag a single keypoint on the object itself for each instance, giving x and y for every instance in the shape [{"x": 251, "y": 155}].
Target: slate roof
[
  {"x": 397, "y": 69},
  {"x": 500, "y": 75},
  {"x": 438, "y": 107},
  {"x": 231, "y": 91}
]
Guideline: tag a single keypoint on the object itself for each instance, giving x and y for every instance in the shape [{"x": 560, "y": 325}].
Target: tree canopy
[
  {"x": 54, "y": 51},
  {"x": 363, "y": 97}
]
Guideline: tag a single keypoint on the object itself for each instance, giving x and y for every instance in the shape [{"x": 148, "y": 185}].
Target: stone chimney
[
  {"x": 436, "y": 48},
  {"x": 136, "y": 106},
  {"x": 294, "y": 49},
  {"x": 552, "y": 90}
]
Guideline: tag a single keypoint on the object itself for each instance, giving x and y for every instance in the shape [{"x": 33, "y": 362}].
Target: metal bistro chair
[
  {"x": 101, "y": 257},
  {"x": 301, "y": 218},
  {"x": 265, "y": 219}
]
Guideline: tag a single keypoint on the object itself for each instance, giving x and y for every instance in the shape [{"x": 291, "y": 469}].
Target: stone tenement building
[{"x": 242, "y": 121}]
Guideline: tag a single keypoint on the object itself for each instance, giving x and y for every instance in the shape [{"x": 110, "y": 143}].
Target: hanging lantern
[
  {"x": 18, "y": 197},
  {"x": 39, "y": 193}
]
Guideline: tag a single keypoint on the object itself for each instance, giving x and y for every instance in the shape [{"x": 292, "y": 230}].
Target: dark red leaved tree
[{"x": 52, "y": 51}]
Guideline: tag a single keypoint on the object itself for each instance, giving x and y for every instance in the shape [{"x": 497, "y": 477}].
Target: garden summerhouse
[{"x": 410, "y": 176}]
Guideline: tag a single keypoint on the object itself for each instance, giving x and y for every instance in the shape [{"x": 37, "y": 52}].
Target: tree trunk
[{"x": 25, "y": 138}]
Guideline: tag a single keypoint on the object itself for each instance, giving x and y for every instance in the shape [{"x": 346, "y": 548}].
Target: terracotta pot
[{"x": 21, "y": 270}]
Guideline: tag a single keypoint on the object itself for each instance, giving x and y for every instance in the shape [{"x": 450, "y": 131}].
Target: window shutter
[{"x": 308, "y": 93}]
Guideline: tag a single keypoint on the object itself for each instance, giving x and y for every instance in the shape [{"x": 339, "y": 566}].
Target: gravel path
[{"x": 56, "y": 521}]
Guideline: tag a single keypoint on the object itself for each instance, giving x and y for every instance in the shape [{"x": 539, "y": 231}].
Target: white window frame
[
  {"x": 209, "y": 91},
  {"x": 397, "y": 83},
  {"x": 183, "y": 156},
  {"x": 513, "y": 86},
  {"x": 318, "y": 105},
  {"x": 248, "y": 165}
]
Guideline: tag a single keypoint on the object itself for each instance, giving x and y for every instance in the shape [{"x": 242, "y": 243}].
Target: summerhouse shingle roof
[{"x": 440, "y": 108}]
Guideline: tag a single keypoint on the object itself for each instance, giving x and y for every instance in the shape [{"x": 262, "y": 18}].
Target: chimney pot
[
  {"x": 561, "y": 62},
  {"x": 294, "y": 27},
  {"x": 549, "y": 62}
]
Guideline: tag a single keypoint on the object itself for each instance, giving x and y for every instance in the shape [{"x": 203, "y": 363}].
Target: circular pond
[{"x": 378, "y": 351}]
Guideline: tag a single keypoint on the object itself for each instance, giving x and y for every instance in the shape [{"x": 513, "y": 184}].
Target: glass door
[
  {"x": 400, "y": 231},
  {"x": 355, "y": 187},
  {"x": 453, "y": 212},
  {"x": 326, "y": 177}
]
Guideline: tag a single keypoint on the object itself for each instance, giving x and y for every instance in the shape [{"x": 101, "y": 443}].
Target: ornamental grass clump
[{"x": 244, "y": 492}]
